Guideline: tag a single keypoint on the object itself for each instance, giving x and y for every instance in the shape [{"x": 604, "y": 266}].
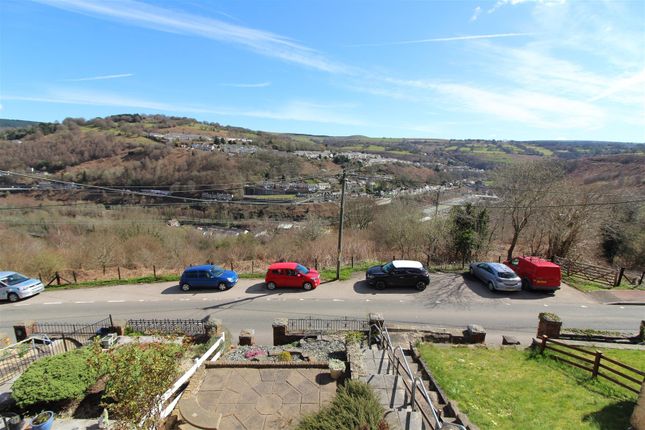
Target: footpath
[{"x": 619, "y": 297}]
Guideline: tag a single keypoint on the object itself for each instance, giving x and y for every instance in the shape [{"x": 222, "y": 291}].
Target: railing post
[
  {"x": 596, "y": 364},
  {"x": 543, "y": 345},
  {"x": 64, "y": 342},
  {"x": 111, "y": 322}
]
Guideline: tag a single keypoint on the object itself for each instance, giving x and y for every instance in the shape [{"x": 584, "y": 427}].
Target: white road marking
[
  {"x": 622, "y": 307},
  {"x": 367, "y": 300},
  {"x": 141, "y": 300},
  {"x": 184, "y": 300},
  {"x": 80, "y": 302},
  {"x": 205, "y": 298},
  {"x": 301, "y": 299},
  {"x": 583, "y": 306},
  {"x": 22, "y": 304},
  {"x": 546, "y": 306},
  {"x": 116, "y": 301},
  {"x": 507, "y": 304},
  {"x": 338, "y": 300},
  {"x": 53, "y": 303}
]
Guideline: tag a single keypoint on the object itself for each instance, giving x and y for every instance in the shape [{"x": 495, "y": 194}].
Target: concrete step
[{"x": 410, "y": 420}]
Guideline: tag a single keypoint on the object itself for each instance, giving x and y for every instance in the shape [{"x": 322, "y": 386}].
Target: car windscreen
[
  {"x": 387, "y": 268},
  {"x": 216, "y": 271},
  {"x": 302, "y": 269},
  {"x": 14, "y": 279}
]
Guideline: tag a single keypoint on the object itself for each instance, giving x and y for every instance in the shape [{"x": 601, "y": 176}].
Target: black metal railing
[
  {"x": 317, "y": 325},
  {"x": 16, "y": 358},
  {"x": 81, "y": 331}
]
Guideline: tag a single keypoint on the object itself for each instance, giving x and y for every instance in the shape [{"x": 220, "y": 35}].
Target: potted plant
[
  {"x": 42, "y": 421},
  {"x": 336, "y": 368}
]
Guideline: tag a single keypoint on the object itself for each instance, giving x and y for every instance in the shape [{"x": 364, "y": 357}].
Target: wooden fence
[
  {"x": 594, "y": 362},
  {"x": 602, "y": 275}
]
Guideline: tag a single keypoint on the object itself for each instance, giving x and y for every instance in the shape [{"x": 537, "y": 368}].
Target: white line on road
[
  {"x": 367, "y": 300},
  {"x": 53, "y": 303},
  {"x": 116, "y": 301},
  {"x": 546, "y": 306},
  {"x": 141, "y": 300},
  {"x": 507, "y": 304},
  {"x": 301, "y": 299},
  {"x": 583, "y": 306},
  {"x": 622, "y": 307},
  {"x": 184, "y": 300},
  {"x": 22, "y": 304},
  {"x": 83, "y": 302},
  {"x": 338, "y": 300}
]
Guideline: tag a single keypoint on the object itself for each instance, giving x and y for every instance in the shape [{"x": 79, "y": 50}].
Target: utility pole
[
  {"x": 340, "y": 224},
  {"x": 436, "y": 203}
]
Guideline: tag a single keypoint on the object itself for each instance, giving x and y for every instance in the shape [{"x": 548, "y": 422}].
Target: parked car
[
  {"x": 292, "y": 275},
  {"x": 536, "y": 273},
  {"x": 496, "y": 276},
  {"x": 14, "y": 286},
  {"x": 207, "y": 276},
  {"x": 398, "y": 273}
]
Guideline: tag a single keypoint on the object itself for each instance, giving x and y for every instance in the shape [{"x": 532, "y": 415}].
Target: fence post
[
  {"x": 543, "y": 345},
  {"x": 619, "y": 277},
  {"x": 64, "y": 342},
  {"x": 74, "y": 276},
  {"x": 640, "y": 281},
  {"x": 104, "y": 269},
  {"x": 154, "y": 271},
  {"x": 596, "y": 364},
  {"x": 352, "y": 261},
  {"x": 57, "y": 279},
  {"x": 231, "y": 265},
  {"x": 252, "y": 267},
  {"x": 499, "y": 258},
  {"x": 118, "y": 271},
  {"x": 316, "y": 263}
]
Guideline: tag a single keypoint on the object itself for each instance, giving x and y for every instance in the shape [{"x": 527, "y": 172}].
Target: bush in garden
[
  {"x": 354, "y": 407},
  {"x": 136, "y": 376},
  {"x": 61, "y": 377}
]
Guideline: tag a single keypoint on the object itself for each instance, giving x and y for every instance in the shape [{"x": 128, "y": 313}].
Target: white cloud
[
  {"x": 253, "y": 85},
  {"x": 443, "y": 39},
  {"x": 634, "y": 82},
  {"x": 172, "y": 21},
  {"x": 101, "y": 78},
  {"x": 501, "y": 3},
  {"x": 476, "y": 13},
  {"x": 291, "y": 111}
]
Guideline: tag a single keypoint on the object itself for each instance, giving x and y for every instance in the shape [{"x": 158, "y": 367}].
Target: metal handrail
[{"x": 415, "y": 382}]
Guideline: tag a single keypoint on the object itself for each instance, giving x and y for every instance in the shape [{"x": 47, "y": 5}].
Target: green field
[{"x": 516, "y": 389}]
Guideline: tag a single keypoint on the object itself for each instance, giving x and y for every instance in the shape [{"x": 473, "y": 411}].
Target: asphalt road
[{"x": 451, "y": 301}]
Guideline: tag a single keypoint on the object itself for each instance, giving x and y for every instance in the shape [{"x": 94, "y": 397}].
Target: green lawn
[
  {"x": 516, "y": 389},
  {"x": 587, "y": 286}
]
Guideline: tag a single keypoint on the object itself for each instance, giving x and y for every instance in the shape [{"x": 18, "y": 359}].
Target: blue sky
[{"x": 507, "y": 69}]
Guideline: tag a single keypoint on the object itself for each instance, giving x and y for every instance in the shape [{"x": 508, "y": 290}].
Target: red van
[
  {"x": 536, "y": 273},
  {"x": 292, "y": 275}
]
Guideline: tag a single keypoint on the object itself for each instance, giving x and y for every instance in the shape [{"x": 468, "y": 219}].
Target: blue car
[{"x": 207, "y": 276}]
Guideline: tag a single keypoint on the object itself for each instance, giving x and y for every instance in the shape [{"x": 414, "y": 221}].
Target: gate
[{"x": 81, "y": 332}]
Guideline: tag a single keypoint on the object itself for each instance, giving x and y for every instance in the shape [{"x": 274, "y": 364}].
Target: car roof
[
  {"x": 283, "y": 265},
  {"x": 500, "y": 267},
  {"x": 3, "y": 274},
  {"x": 541, "y": 262},
  {"x": 201, "y": 267},
  {"x": 407, "y": 264}
]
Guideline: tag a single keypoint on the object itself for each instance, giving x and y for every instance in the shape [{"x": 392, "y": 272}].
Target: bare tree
[
  {"x": 522, "y": 187},
  {"x": 359, "y": 212}
]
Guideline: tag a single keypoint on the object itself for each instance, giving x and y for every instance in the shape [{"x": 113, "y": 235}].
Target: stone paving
[{"x": 261, "y": 399}]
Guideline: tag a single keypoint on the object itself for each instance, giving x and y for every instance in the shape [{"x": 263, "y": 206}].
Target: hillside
[{"x": 15, "y": 123}]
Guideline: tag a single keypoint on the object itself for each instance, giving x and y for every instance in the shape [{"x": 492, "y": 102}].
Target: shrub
[
  {"x": 136, "y": 376},
  {"x": 62, "y": 377},
  {"x": 354, "y": 337},
  {"x": 284, "y": 356},
  {"x": 354, "y": 407}
]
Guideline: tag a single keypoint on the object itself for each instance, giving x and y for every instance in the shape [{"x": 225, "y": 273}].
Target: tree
[
  {"x": 523, "y": 186},
  {"x": 398, "y": 228},
  {"x": 359, "y": 212},
  {"x": 469, "y": 227}
]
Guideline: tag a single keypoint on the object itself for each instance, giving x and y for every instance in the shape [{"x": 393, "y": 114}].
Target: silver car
[
  {"x": 496, "y": 276},
  {"x": 14, "y": 286}
]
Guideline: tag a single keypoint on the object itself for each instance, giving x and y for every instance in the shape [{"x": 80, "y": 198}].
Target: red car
[
  {"x": 536, "y": 273},
  {"x": 292, "y": 275}
]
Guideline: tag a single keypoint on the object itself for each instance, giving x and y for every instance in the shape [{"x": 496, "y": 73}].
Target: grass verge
[
  {"x": 587, "y": 286},
  {"x": 516, "y": 389},
  {"x": 345, "y": 272}
]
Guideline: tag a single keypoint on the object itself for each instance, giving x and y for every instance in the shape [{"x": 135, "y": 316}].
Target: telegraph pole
[
  {"x": 436, "y": 203},
  {"x": 340, "y": 225}
]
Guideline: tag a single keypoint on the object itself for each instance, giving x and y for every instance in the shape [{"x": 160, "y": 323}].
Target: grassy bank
[
  {"x": 588, "y": 286},
  {"x": 515, "y": 389}
]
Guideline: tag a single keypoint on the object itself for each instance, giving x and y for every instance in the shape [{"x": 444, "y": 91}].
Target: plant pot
[
  {"x": 335, "y": 373},
  {"x": 47, "y": 425},
  {"x": 12, "y": 421}
]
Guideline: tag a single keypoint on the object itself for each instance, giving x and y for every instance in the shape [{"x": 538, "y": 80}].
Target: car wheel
[
  {"x": 307, "y": 286},
  {"x": 185, "y": 287},
  {"x": 380, "y": 285},
  {"x": 526, "y": 285},
  {"x": 271, "y": 285},
  {"x": 13, "y": 297},
  {"x": 421, "y": 286},
  {"x": 222, "y": 286},
  {"x": 491, "y": 286}
]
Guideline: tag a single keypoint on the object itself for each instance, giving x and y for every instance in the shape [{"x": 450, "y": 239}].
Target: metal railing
[
  {"x": 307, "y": 325},
  {"x": 16, "y": 358},
  {"x": 413, "y": 383}
]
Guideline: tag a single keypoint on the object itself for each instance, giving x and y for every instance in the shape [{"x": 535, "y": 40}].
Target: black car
[{"x": 398, "y": 273}]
